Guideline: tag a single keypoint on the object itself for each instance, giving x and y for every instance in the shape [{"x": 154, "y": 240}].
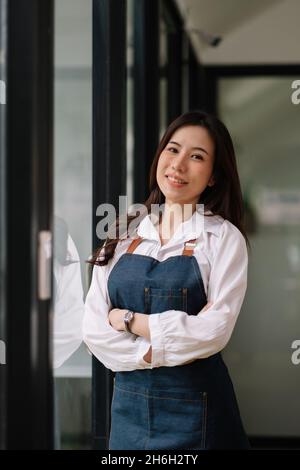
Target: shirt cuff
[
  {"x": 156, "y": 340},
  {"x": 143, "y": 348}
]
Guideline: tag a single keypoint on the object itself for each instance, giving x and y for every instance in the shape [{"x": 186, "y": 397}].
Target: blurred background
[{"x": 87, "y": 87}]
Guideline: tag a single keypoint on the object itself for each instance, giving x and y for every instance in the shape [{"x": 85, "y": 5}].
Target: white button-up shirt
[{"x": 176, "y": 337}]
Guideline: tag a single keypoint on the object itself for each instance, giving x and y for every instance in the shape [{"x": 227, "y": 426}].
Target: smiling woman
[
  {"x": 180, "y": 168},
  {"x": 160, "y": 309}
]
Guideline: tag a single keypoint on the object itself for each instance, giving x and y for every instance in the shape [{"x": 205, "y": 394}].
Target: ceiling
[
  {"x": 256, "y": 31},
  {"x": 222, "y": 16}
]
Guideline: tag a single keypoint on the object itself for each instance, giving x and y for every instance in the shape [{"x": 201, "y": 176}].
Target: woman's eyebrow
[{"x": 194, "y": 148}]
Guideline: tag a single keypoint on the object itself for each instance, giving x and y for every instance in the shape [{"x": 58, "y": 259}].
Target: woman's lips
[{"x": 174, "y": 182}]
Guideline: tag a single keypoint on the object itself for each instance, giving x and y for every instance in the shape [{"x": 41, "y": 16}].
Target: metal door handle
[{"x": 44, "y": 264}]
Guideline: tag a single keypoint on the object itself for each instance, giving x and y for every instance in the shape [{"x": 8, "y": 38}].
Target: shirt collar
[{"x": 188, "y": 230}]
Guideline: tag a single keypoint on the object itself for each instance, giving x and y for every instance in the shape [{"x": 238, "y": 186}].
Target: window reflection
[
  {"x": 68, "y": 295},
  {"x": 73, "y": 219}
]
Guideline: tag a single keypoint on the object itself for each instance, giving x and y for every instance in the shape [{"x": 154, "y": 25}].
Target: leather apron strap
[{"x": 188, "y": 249}]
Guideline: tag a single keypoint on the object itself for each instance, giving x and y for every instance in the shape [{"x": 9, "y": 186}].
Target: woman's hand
[
  {"x": 116, "y": 318},
  {"x": 206, "y": 306},
  {"x": 148, "y": 355}
]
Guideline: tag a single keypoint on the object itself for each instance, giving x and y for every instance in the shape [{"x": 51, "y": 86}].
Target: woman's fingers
[{"x": 206, "y": 306}]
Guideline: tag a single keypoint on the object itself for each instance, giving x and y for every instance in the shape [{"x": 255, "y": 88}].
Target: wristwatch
[{"x": 128, "y": 317}]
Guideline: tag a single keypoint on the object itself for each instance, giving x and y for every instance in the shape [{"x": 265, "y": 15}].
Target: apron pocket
[
  {"x": 177, "y": 419},
  {"x": 129, "y": 420},
  {"x": 158, "y": 300}
]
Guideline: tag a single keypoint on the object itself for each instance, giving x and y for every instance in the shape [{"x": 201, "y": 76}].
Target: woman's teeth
[{"x": 176, "y": 181}]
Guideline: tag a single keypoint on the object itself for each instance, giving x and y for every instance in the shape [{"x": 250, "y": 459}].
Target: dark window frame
[
  {"x": 109, "y": 161},
  {"x": 29, "y": 163},
  {"x": 210, "y": 75},
  {"x": 146, "y": 93}
]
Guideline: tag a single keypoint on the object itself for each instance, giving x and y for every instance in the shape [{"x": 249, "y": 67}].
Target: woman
[{"x": 163, "y": 303}]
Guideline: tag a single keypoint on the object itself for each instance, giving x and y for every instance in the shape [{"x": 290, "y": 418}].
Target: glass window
[
  {"x": 72, "y": 219},
  {"x": 130, "y": 101},
  {"x": 3, "y": 6},
  {"x": 163, "y": 81},
  {"x": 265, "y": 127}
]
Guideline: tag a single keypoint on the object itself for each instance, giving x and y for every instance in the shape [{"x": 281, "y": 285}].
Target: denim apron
[{"x": 191, "y": 406}]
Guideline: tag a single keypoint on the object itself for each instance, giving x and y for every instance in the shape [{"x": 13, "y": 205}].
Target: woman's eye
[
  {"x": 198, "y": 157},
  {"x": 175, "y": 150}
]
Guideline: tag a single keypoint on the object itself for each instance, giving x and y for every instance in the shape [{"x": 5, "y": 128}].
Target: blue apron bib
[{"x": 191, "y": 406}]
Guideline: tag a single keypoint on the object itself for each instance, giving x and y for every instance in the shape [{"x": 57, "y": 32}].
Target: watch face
[
  {"x": 127, "y": 319},
  {"x": 128, "y": 316}
]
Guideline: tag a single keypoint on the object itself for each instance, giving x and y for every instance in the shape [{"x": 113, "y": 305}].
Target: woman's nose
[{"x": 179, "y": 163}]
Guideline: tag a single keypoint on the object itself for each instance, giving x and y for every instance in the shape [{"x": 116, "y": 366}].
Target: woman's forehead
[{"x": 192, "y": 137}]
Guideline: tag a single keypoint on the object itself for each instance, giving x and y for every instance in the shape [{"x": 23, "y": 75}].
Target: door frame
[{"x": 29, "y": 182}]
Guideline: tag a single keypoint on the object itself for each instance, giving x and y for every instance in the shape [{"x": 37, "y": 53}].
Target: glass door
[
  {"x": 72, "y": 220},
  {"x": 265, "y": 123},
  {"x": 2, "y": 222}
]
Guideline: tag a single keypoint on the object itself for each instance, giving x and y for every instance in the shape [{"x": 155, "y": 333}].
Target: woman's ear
[{"x": 211, "y": 181}]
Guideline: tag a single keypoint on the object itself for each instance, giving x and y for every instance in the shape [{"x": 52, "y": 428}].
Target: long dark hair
[{"x": 224, "y": 198}]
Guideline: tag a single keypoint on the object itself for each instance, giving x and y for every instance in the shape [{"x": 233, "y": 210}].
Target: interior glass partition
[
  {"x": 2, "y": 221},
  {"x": 72, "y": 219},
  {"x": 264, "y": 122}
]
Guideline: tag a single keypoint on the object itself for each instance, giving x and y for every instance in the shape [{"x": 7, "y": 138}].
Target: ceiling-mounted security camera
[{"x": 210, "y": 39}]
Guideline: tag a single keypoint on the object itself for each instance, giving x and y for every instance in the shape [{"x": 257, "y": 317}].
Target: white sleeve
[
  {"x": 68, "y": 307},
  {"x": 117, "y": 350},
  {"x": 177, "y": 337}
]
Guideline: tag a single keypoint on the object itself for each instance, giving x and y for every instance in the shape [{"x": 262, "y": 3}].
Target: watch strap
[{"x": 128, "y": 317}]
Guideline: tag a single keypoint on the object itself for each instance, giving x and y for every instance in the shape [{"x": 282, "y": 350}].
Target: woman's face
[{"x": 185, "y": 166}]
